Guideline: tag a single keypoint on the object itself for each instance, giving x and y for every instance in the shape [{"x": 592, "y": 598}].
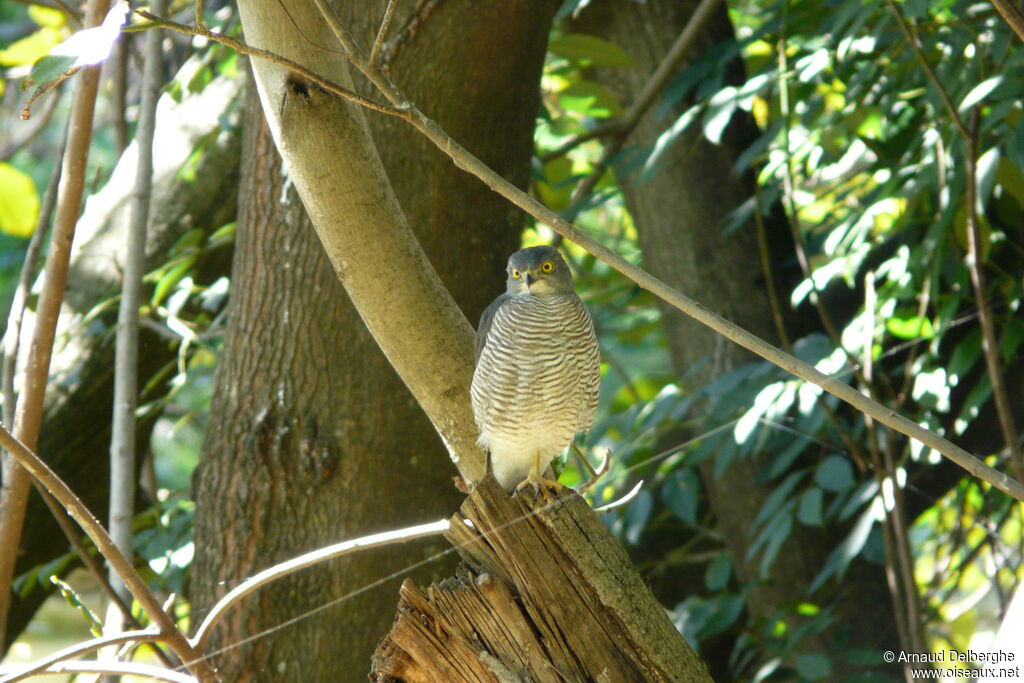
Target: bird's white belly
[{"x": 512, "y": 454}]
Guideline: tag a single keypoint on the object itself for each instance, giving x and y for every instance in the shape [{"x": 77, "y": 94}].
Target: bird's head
[{"x": 539, "y": 271}]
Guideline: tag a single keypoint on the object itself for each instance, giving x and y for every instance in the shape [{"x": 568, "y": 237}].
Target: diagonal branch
[
  {"x": 1011, "y": 14},
  {"x": 38, "y": 469},
  {"x": 463, "y": 159},
  {"x": 140, "y": 636}
]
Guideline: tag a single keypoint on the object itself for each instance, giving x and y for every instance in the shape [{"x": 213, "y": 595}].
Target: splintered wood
[{"x": 544, "y": 594}]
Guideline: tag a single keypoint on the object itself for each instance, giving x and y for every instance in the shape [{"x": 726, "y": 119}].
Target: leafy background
[{"x": 861, "y": 151}]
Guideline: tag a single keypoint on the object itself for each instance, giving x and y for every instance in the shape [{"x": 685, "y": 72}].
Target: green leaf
[
  {"x": 980, "y": 91},
  {"x": 51, "y": 68},
  {"x": 720, "y": 110},
  {"x": 835, "y": 473},
  {"x": 19, "y": 202},
  {"x": 814, "y": 667},
  {"x": 809, "y": 509},
  {"x": 72, "y": 598},
  {"x": 913, "y": 327},
  {"x": 589, "y": 98},
  {"x": 31, "y": 47},
  {"x": 171, "y": 278},
  {"x": 588, "y": 50},
  {"x": 716, "y": 576},
  {"x": 681, "y": 494}
]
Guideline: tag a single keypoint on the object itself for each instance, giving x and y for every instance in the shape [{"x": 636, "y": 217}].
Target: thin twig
[
  {"x": 928, "y": 70},
  {"x": 119, "y": 86},
  {"x": 1011, "y": 15},
  {"x": 989, "y": 341},
  {"x": 382, "y": 32},
  {"x": 309, "y": 559},
  {"x": 28, "y": 420},
  {"x": 244, "y": 49},
  {"x": 126, "y": 355},
  {"x": 38, "y": 469},
  {"x": 11, "y": 148},
  {"x": 120, "y": 668},
  {"x": 990, "y": 346},
  {"x": 11, "y": 343},
  {"x": 16, "y": 317},
  {"x": 766, "y": 269},
  {"x": 79, "y": 649}
]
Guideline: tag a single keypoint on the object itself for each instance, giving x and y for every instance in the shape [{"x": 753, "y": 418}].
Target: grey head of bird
[{"x": 540, "y": 271}]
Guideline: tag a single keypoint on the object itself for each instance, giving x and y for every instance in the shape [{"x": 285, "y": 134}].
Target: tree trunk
[
  {"x": 545, "y": 594},
  {"x": 679, "y": 213},
  {"x": 314, "y": 438},
  {"x": 76, "y": 423}
]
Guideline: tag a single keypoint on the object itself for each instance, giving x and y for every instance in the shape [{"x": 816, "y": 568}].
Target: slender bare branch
[
  {"x": 28, "y": 420},
  {"x": 382, "y": 32},
  {"x": 119, "y": 668},
  {"x": 35, "y": 129},
  {"x": 989, "y": 340},
  {"x": 126, "y": 355},
  {"x": 911, "y": 38},
  {"x": 80, "y": 649},
  {"x": 1011, "y": 14},
  {"x": 293, "y": 565},
  {"x": 244, "y": 49},
  {"x": 176, "y": 640}
]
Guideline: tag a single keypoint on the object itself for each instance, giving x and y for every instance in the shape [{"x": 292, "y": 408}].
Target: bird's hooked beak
[{"x": 530, "y": 279}]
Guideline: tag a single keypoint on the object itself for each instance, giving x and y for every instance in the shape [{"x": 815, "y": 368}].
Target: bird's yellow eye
[
  {"x": 516, "y": 274},
  {"x": 547, "y": 267}
]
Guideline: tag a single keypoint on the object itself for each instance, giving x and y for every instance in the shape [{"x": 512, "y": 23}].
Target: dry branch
[
  {"x": 29, "y": 415},
  {"x": 545, "y": 594}
]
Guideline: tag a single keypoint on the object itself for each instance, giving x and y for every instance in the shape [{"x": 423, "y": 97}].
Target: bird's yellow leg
[{"x": 547, "y": 488}]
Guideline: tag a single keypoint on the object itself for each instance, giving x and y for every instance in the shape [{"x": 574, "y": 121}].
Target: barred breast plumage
[{"x": 536, "y": 381}]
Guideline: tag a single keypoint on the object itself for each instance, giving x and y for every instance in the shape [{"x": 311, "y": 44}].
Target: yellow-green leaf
[
  {"x": 47, "y": 16},
  {"x": 19, "y": 202},
  {"x": 31, "y": 47},
  {"x": 589, "y": 50}
]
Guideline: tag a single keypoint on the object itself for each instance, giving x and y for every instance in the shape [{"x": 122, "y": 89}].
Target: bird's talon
[{"x": 546, "y": 489}]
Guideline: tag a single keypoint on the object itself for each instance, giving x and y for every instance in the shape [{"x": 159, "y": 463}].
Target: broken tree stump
[{"x": 545, "y": 593}]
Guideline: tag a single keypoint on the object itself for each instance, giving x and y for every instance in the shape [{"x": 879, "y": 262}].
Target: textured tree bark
[
  {"x": 76, "y": 422},
  {"x": 679, "y": 213},
  {"x": 545, "y": 594},
  {"x": 314, "y": 438}
]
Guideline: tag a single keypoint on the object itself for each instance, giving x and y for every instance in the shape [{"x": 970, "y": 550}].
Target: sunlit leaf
[
  {"x": 980, "y": 92},
  {"x": 47, "y": 16},
  {"x": 589, "y": 98},
  {"x": 719, "y": 112},
  {"x": 912, "y": 327},
  {"x": 588, "y": 50},
  {"x": 93, "y": 45},
  {"x": 31, "y": 48},
  {"x": 19, "y": 202}
]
